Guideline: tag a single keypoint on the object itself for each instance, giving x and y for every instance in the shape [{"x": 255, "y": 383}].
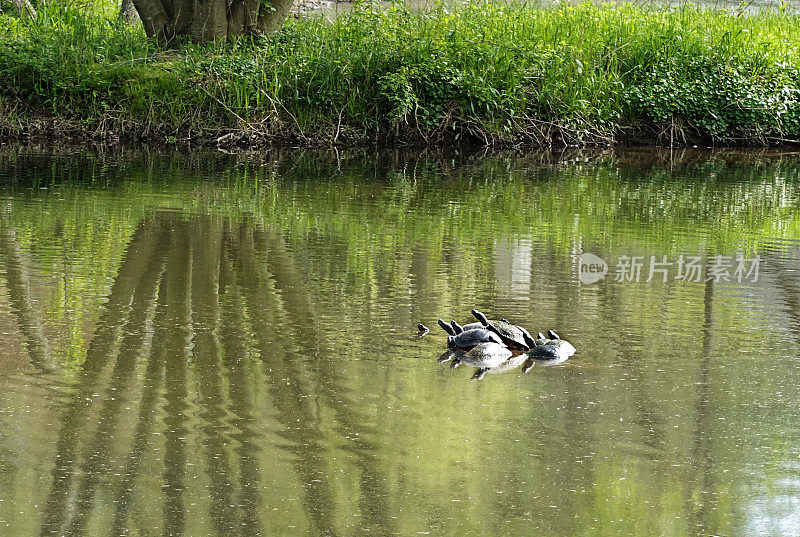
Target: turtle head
[
  {"x": 552, "y": 335},
  {"x": 481, "y": 317},
  {"x": 446, "y": 327},
  {"x": 539, "y": 336},
  {"x": 529, "y": 341},
  {"x": 456, "y": 327}
]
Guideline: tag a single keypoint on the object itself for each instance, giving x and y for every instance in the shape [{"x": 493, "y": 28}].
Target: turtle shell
[
  {"x": 513, "y": 336},
  {"x": 470, "y": 338}
]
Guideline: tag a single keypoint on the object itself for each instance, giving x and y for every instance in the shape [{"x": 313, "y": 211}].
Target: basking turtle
[
  {"x": 472, "y": 338},
  {"x": 554, "y": 348},
  {"x": 422, "y": 330},
  {"x": 513, "y": 336},
  {"x": 453, "y": 328},
  {"x": 467, "y": 339}
]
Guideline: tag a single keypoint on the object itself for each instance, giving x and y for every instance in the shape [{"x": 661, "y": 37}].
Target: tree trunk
[
  {"x": 210, "y": 20},
  {"x": 21, "y": 7},
  {"x": 271, "y": 17},
  {"x": 154, "y": 18},
  {"x": 127, "y": 12}
]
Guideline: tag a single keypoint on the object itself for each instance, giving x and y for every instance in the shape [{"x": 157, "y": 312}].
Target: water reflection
[
  {"x": 239, "y": 356},
  {"x": 19, "y": 294}
]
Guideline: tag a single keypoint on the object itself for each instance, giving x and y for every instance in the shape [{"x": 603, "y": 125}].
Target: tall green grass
[{"x": 495, "y": 73}]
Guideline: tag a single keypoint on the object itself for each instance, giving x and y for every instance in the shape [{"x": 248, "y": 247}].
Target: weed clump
[{"x": 498, "y": 74}]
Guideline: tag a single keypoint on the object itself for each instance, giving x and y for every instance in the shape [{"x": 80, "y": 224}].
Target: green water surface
[{"x": 204, "y": 344}]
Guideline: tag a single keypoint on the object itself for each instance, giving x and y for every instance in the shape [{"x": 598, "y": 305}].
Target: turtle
[
  {"x": 553, "y": 348},
  {"x": 467, "y": 339},
  {"x": 513, "y": 336},
  {"x": 422, "y": 330}
]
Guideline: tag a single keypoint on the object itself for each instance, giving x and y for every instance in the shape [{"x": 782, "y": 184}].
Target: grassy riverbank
[{"x": 494, "y": 74}]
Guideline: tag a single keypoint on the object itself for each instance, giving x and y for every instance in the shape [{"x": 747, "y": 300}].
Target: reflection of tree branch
[
  {"x": 22, "y": 305},
  {"x": 290, "y": 398},
  {"x": 234, "y": 343},
  {"x": 134, "y": 331},
  {"x": 297, "y": 302},
  {"x": 205, "y": 323},
  {"x": 702, "y": 443},
  {"x": 789, "y": 289},
  {"x": 650, "y": 421},
  {"x": 150, "y": 397},
  {"x": 289, "y": 282},
  {"x": 139, "y": 253},
  {"x": 177, "y": 291}
]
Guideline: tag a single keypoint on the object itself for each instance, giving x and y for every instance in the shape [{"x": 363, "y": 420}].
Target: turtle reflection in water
[{"x": 512, "y": 363}]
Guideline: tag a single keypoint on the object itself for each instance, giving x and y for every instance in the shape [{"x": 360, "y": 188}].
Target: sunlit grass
[{"x": 491, "y": 72}]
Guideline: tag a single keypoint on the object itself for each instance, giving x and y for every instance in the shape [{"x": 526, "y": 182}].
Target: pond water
[{"x": 205, "y": 344}]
